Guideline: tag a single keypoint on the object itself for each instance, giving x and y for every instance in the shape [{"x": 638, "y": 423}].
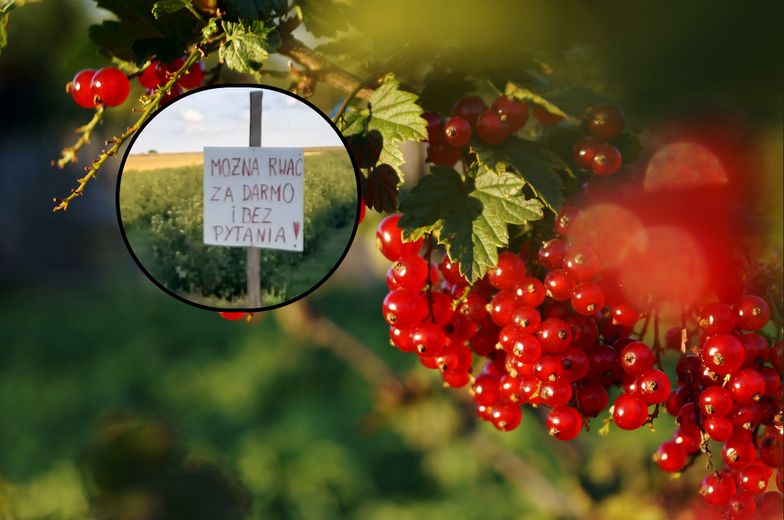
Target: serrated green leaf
[
  {"x": 523, "y": 94},
  {"x": 534, "y": 162},
  {"x": 248, "y": 46},
  {"x": 396, "y": 114},
  {"x": 164, "y": 7},
  {"x": 255, "y": 9},
  {"x": 324, "y": 17},
  {"x": 381, "y": 188},
  {"x": 470, "y": 216}
]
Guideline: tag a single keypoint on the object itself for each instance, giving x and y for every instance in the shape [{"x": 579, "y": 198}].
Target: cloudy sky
[{"x": 220, "y": 117}]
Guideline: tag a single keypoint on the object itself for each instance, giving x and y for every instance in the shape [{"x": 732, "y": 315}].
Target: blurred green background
[{"x": 117, "y": 402}]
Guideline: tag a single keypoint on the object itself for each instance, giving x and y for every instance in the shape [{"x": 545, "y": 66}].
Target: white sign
[{"x": 254, "y": 197}]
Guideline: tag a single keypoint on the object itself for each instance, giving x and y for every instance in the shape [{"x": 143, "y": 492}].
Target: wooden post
[{"x": 253, "y": 257}]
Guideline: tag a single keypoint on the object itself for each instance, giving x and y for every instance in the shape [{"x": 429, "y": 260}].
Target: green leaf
[
  {"x": 164, "y": 7},
  {"x": 533, "y": 162},
  {"x": 470, "y": 216},
  {"x": 248, "y": 45},
  {"x": 381, "y": 188},
  {"x": 529, "y": 96},
  {"x": 575, "y": 99},
  {"x": 256, "y": 9},
  {"x": 324, "y": 17},
  {"x": 396, "y": 114}
]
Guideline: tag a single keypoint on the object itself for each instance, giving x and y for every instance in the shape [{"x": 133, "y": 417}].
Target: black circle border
[{"x": 259, "y": 86}]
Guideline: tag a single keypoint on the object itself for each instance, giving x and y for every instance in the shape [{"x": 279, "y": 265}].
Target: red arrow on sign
[{"x": 296, "y": 229}]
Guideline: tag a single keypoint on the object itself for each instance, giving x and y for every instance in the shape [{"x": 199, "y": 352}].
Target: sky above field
[{"x": 220, "y": 117}]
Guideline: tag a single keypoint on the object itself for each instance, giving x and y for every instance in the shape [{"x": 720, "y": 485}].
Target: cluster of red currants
[
  {"x": 157, "y": 73},
  {"x": 594, "y": 152},
  {"x": 471, "y": 117},
  {"x": 729, "y": 391},
  {"x": 108, "y": 86},
  {"x": 564, "y": 341}
]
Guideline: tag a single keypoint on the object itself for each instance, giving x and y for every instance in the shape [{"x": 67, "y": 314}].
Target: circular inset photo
[{"x": 238, "y": 198}]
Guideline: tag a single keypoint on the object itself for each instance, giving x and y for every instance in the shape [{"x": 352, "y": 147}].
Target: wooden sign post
[
  {"x": 254, "y": 198},
  {"x": 253, "y": 257}
]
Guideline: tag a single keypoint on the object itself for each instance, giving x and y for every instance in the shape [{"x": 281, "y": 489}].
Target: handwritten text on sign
[{"x": 254, "y": 197}]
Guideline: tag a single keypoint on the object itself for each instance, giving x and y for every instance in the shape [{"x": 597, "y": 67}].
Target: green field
[{"x": 162, "y": 216}]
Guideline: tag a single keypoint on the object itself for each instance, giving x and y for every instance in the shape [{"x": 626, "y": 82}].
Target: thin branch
[
  {"x": 68, "y": 154},
  {"x": 152, "y": 104},
  {"x": 344, "y": 105},
  {"x": 322, "y": 69}
]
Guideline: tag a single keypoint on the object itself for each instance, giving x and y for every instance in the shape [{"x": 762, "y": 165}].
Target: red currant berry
[
  {"x": 606, "y": 160},
  {"x": 451, "y": 272},
  {"x": 722, "y": 353},
  {"x": 513, "y": 113},
  {"x": 110, "y": 86},
  {"x": 507, "y": 272},
  {"x": 585, "y": 333},
  {"x": 166, "y": 70},
  {"x": 502, "y": 307},
  {"x": 636, "y": 358},
  {"x": 525, "y": 347},
  {"x": 770, "y": 506},
  {"x": 670, "y": 456},
  {"x": 362, "y": 211},
  {"x": 717, "y": 318},
  {"x": 587, "y": 298},
  {"x": 486, "y": 390},
  {"x": 555, "y": 393},
  {"x": 389, "y": 240},
  {"x": 529, "y": 319},
  {"x": 469, "y": 108},
  {"x": 552, "y": 253},
  {"x": 548, "y": 368},
  {"x": 574, "y": 363},
  {"x": 559, "y": 284},
  {"x": 717, "y": 490},
  {"x": 401, "y": 338},
  {"x": 490, "y": 128},
  {"x": 442, "y": 154},
  {"x": 583, "y": 152},
  {"x": 605, "y": 366},
  {"x": 149, "y": 78},
  {"x": 746, "y": 385},
  {"x": 530, "y": 291},
  {"x": 456, "y": 379},
  {"x": 741, "y": 507},
  {"x": 690, "y": 443},
  {"x": 629, "y": 412},
  {"x": 772, "y": 381},
  {"x": 654, "y": 386},
  {"x": 592, "y": 398},
  {"x": 605, "y": 121},
  {"x": 404, "y": 309},
  {"x": 738, "y": 452},
  {"x": 457, "y": 132},
  {"x": 410, "y": 272},
  {"x": 506, "y": 417},
  {"x": 718, "y": 428},
  {"x": 752, "y": 313},
  {"x": 193, "y": 76},
  {"x": 81, "y": 89},
  {"x": 753, "y": 478},
  {"x": 555, "y": 335},
  {"x": 756, "y": 350},
  {"x": 565, "y": 219},
  {"x": 171, "y": 95},
  {"x": 777, "y": 355},
  {"x": 715, "y": 401},
  {"x": 428, "y": 338},
  {"x": 474, "y": 307},
  {"x": 232, "y": 316},
  {"x": 545, "y": 117},
  {"x": 564, "y": 423},
  {"x": 625, "y": 315},
  {"x": 581, "y": 263},
  {"x": 435, "y": 126}
]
